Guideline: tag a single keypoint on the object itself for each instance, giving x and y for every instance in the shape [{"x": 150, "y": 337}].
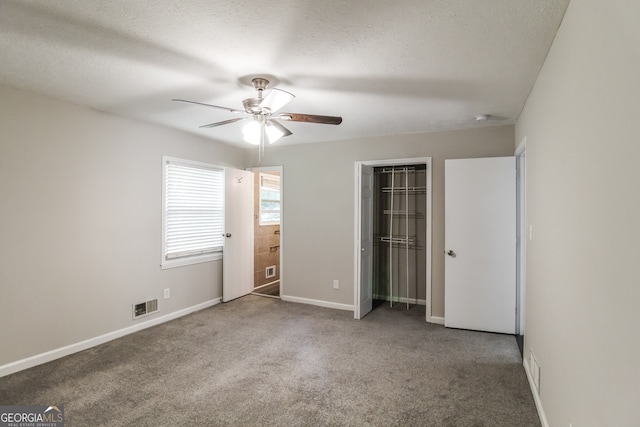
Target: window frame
[{"x": 183, "y": 260}]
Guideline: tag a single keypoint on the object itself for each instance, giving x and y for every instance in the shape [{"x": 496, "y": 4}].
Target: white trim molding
[
  {"x": 49, "y": 356},
  {"x": 436, "y": 319},
  {"x": 319, "y": 303},
  {"x": 534, "y": 392}
]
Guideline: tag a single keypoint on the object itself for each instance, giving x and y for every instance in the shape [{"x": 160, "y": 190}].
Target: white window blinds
[{"x": 193, "y": 210}]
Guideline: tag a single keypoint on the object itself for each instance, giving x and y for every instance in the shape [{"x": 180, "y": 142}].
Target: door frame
[
  {"x": 521, "y": 224},
  {"x": 428, "y": 161},
  {"x": 279, "y": 169}
]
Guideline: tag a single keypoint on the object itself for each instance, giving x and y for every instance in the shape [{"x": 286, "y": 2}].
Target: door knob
[
  {"x": 451, "y": 253},
  {"x": 228, "y": 235}
]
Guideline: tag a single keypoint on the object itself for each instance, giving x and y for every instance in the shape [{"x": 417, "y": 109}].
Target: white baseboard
[
  {"x": 320, "y": 303},
  {"x": 265, "y": 285},
  {"x": 436, "y": 319},
  {"x": 48, "y": 356},
  {"x": 536, "y": 396}
]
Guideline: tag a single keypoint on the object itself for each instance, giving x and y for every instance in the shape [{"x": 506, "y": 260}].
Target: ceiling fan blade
[
  {"x": 224, "y": 122},
  {"x": 232, "y": 110},
  {"x": 284, "y": 130},
  {"x": 276, "y": 99},
  {"x": 309, "y": 118}
]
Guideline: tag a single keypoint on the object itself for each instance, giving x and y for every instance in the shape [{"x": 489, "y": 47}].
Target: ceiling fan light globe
[
  {"x": 251, "y": 141},
  {"x": 251, "y": 133},
  {"x": 273, "y": 133}
]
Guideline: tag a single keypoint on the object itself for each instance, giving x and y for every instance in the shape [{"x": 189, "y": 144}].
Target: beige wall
[
  {"x": 80, "y": 223},
  {"x": 582, "y": 127},
  {"x": 318, "y": 209}
]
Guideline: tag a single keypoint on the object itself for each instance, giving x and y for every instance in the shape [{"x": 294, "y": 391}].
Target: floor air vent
[{"x": 145, "y": 308}]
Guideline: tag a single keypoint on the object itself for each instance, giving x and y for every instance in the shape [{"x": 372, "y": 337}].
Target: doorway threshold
[{"x": 271, "y": 290}]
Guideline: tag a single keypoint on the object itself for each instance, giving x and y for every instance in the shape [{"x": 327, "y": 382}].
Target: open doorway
[{"x": 267, "y": 231}]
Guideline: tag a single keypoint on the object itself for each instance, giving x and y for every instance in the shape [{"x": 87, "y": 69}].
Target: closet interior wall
[{"x": 399, "y": 221}]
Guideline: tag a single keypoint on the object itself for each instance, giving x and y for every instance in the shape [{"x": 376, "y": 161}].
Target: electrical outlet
[
  {"x": 167, "y": 293},
  {"x": 336, "y": 284}
]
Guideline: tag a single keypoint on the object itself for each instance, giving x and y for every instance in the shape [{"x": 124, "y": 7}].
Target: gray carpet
[{"x": 261, "y": 361}]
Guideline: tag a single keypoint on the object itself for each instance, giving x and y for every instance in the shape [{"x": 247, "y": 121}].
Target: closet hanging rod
[
  {"x": 409, "y": 169},
  {"x": 387, "y": 239},
  {"x": 412, "y": 214},
  {"x": 412, "y": 246},
  {"x": 402, "y": 189}
]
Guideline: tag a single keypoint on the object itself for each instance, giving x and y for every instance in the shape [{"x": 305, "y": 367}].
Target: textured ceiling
[{"x": 387, "y": 67}]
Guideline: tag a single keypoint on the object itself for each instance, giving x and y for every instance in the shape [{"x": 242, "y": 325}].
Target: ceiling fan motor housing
[{"x": 252, "y": 105}]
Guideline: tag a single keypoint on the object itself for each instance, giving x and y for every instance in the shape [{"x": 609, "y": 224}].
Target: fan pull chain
[{"x": 261, "y": 146}]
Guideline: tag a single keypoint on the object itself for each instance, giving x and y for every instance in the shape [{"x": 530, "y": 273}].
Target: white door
[
  {"x": 480, "y": 244},
  {"x": 237, "y": 265},
  {"x": 365, "y": 296}
]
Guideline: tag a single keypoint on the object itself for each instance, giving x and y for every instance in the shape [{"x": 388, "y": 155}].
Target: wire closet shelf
[{"x": 400, "y": 240}]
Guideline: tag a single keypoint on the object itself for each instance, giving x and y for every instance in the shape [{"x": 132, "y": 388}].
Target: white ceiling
[{"x": 387, "y": 67}]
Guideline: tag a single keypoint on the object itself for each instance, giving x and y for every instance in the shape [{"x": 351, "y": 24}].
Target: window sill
[{"x": 181, "y": 262}]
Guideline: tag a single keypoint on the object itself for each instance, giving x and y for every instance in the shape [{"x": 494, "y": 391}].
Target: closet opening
[
  {"x": 399, "y": 228},
  {"x": 393, "y": 243}
]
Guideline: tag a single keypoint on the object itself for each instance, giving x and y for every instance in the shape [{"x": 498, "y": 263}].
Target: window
[
  {"x": 269, "y": 199},
  {"x": 193, "y": 212}
]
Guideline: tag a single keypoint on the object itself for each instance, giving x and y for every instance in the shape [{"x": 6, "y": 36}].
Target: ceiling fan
[{"x": 264, "y": 114}]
